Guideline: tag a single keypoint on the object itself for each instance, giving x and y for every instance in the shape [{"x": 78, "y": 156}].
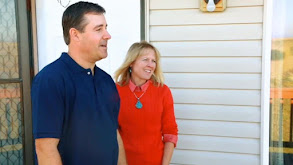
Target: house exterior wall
[
  {"x": 213, "y": 64},
  {"x": 123, "y": 20},
  {"x": 211, "y": 61}
]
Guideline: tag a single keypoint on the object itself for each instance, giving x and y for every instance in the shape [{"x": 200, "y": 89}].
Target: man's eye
[{"x": 154, "y": 61}]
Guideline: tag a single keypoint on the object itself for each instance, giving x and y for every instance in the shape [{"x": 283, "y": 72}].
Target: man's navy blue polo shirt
[{"x": 80, "y": 109}]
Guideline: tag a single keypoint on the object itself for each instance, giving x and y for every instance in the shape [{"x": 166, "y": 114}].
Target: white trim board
[{"x": 265, "y": 92}]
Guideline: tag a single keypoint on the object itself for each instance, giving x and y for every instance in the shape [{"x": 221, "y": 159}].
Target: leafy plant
[{"x": 277, "y": 55}]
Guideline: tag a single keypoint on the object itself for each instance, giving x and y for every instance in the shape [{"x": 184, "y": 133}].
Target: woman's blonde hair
[{"x": 122, "y": 75}]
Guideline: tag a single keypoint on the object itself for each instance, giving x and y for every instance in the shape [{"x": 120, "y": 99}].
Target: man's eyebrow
[{"x": 100, "y": 25}]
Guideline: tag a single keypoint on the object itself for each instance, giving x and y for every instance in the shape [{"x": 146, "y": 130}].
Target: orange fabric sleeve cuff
[{"x": 170, "y": 138}]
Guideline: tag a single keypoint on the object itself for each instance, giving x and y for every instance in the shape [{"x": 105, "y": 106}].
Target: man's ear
[{"x": 74, "y": 34}]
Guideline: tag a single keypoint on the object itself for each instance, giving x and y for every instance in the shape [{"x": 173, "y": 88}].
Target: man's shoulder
[
  {"x": 55, "y": 65},
  {"x": 53, "y": 70},
  {"x": 104, "y": 74}
]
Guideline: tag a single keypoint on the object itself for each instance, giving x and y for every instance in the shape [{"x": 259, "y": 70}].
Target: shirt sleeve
[
  {"x": 47, "y": 106},
  {"x": 169, "y": 125}
]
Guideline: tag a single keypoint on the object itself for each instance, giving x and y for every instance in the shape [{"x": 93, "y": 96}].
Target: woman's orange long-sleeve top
[{"x": 145, "y": 130}]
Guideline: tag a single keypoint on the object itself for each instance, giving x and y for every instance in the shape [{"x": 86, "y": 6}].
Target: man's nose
[{"x": 107, "y": 35}]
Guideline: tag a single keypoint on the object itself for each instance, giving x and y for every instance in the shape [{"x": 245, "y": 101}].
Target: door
[{"x": 15, "y": 109}]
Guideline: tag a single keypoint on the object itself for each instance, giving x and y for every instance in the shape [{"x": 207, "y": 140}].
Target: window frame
[{"x": 265, "y": 86}]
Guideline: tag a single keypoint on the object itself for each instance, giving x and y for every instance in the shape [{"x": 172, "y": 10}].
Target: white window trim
[
  {"x": 265, "y": 86},
  {"x": 147, "y": 20}
]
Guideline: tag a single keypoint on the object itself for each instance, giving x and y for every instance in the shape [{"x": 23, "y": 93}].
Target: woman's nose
[{"x": 151, "y": 63}]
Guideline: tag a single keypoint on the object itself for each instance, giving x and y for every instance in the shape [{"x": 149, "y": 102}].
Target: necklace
[{"x": 138, "y": 104}]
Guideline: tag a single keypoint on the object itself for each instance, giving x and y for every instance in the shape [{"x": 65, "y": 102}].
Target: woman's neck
[{"x": 137, "y": 82}]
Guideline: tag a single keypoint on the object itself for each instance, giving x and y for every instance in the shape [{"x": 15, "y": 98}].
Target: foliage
[
  {"x": 285, "y": 82},
  {"x": 277, "y": 55}
]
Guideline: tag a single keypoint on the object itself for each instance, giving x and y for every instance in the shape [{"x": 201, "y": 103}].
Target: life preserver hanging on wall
[{"x": 212, "y": 5}]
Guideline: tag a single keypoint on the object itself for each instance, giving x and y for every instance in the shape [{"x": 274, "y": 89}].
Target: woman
[{"x": 146, "y": 119}]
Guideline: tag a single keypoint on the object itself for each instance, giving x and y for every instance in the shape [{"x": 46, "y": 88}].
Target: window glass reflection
[{"x": 281, "y": 128}]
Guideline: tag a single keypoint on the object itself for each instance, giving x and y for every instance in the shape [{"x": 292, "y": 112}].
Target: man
[{"x": 75, "y": 103}]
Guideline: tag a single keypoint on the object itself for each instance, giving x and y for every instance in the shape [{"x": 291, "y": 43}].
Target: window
[{"x": 281, "y": 102}]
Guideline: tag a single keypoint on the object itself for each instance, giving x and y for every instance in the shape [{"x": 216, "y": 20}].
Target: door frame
[{"x": 26, "y": 70}]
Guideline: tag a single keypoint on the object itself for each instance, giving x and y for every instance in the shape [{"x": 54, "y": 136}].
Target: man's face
[{"x": 93, "y": 41}]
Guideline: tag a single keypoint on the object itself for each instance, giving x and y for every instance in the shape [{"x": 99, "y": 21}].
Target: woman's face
[{"x": 143, "y": 67}]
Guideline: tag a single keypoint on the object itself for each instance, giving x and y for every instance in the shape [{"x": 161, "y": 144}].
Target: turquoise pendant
[{"x": 138, "y": 105}]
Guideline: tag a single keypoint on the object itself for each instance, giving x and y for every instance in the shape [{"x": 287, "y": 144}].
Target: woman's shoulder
[
  {"x": 118, "y": 86},
  {"x": 121, "y": 87},
  {"x": 159, "y": 86},
  {"x": 162, "y": 88}
]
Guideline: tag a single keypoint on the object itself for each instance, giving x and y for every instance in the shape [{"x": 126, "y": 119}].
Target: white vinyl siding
[
  {"x": 195, "y": 17},
  {"x": 207, "y": 80},
  {"x": 206, "y": 32},
  {"x": 190, "y": 4},
  {"x": 213, "y": 64},
  {"x": 196, "y": 157},
  {"x": 217, "y": 113},
  {"x": 207, "y": 48}
]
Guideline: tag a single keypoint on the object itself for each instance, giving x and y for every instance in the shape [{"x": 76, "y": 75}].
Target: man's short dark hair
[{"x": 73, "y": 17}]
